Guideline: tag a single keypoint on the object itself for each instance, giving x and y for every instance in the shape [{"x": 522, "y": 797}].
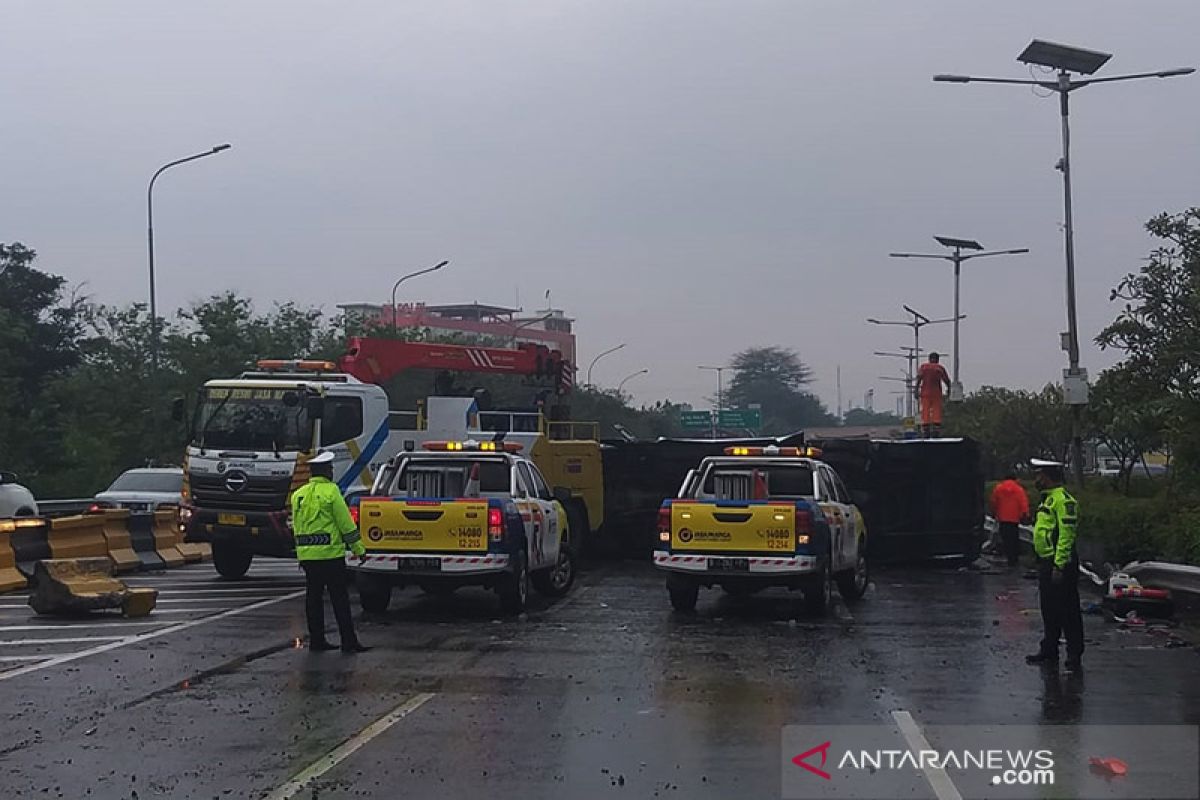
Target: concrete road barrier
[
  {"x": 166, "y": 532},
  {"x": 29, "y": 542},
  {"x": 116, "y": 537},
  {"x": 141, "y": 536},
  {"x": 77, "y": 585},
  {"x": 77, "y": 537},
  {"x": 10, "y": 577}
]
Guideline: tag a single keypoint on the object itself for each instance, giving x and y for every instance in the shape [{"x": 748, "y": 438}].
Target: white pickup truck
[{"x": 458, "y": 514}]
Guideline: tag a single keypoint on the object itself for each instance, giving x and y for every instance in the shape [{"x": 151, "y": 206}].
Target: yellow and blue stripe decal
[{"x": 360, "y": 467}]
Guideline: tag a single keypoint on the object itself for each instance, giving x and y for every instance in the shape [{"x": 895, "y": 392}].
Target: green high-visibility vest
[
  {"x": 321, "y": 522},
  {"x": 1054, "y": 531}
]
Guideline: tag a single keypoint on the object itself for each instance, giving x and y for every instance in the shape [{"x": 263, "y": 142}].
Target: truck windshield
[{"x": 252, "y": 419}]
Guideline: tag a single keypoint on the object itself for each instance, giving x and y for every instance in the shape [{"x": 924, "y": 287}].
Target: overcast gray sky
[{"x": 689, "y": 177}]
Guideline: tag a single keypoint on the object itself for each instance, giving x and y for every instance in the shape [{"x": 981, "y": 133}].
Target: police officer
[
  {"x": 1057, "y": 568},
  {"x": 324, "y": 529}
]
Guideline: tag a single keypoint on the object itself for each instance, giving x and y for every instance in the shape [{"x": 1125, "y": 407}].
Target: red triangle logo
[{"x": 802, "y": 760}]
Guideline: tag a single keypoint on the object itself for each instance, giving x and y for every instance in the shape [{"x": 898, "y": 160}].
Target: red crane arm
[{"x": 378, "y": 360}]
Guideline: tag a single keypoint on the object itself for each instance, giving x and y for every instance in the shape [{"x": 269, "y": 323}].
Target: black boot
[
  {"x": 1074, "y": 665},
  {"x": 1042, "y": 658},
  {"x": 356, "y": 647},
  {"x": 321, "y": 645}
]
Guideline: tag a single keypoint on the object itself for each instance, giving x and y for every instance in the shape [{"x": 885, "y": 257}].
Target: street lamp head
[
  {"x": 952, "y": 78},
  {"x": 1171, "y": 73},
  {"x": 440, "y": 265},
  {"x": 1063, "y": 57},
  {"x": 221, "y": 147}
]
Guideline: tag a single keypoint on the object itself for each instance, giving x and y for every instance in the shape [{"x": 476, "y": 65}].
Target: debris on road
[{"x": 79, "y": 585}]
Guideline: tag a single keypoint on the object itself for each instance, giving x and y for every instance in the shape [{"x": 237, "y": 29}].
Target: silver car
[
  {"x": 15, "y": 499},
  {"x": 146, "y": 489}
]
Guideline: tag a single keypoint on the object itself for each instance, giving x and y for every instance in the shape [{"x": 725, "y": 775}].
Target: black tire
[
  {"x": 818, "y": 592},
  {"x": 513, "y": 586},
  {"x": 579, "y": 534},
  {"x": 852, "y": 583},
  {"x": 557, "y": 581},
  {"x": 684, "y": 593},
  {"x": 374, "y": 593},
  {"x": 231, "y": 562}
]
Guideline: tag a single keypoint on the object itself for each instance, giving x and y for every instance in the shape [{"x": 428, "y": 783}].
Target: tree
[
  {"x": 40, "y": 338},
  {"x": 775, "y": 377},
  {"x": 1158, "y": 329},
  {"x": 1013, "y": 426},
  {"x": 1129, "y": 417}
]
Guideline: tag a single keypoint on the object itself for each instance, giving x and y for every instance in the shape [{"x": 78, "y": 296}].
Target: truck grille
[{"x": 258, "y": 494}]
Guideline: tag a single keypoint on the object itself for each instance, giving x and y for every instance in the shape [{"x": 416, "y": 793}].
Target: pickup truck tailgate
[
  {"x": 423, "y": 525},
  {"x": 733, "y": 527}
]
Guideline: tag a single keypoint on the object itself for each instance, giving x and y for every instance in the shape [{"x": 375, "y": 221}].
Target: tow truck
[
  {"x": 459, "y": 514},
  {"x": 252, "y": 437},
  {"x": 759, "y": 517}
]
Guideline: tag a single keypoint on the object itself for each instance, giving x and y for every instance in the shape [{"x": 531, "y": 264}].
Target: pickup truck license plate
[
  {"x": 734, "y": 564},
  {"x": 434, "y": 564},
  {"x": 231, "y": 519}
]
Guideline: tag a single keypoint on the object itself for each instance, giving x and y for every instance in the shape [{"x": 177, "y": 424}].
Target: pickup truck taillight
[
  {"x": 354, "y": 513},
  {"x": 804, "y": 525},
  {"x": 495, "y": 524},
  {"x": 664, "y": 524}
]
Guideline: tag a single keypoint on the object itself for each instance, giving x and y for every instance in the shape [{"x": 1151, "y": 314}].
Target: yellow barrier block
[
  {"x": 116, "y": 536},
  {"x": 77, "y": 537},
  {"x": 166, "y": 531},
  {"x": 10, "y": 577}
]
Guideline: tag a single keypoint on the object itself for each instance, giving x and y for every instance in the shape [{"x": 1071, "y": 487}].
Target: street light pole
[
  {"x": 629, "y": 377},
  {"x": 1067, "y": 60},
  {"x": 597, "y": 358},
  {"x": 150, "y": 243},
  {"x": 396, "y": 285},
  {"x": 957, "y": 257},
  {"x": 526, "y": 324}
]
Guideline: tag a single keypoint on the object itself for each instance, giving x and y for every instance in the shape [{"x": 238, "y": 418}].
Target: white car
[
  {"x": 15, "y": 499},
  {"x": 146, "y": 489}
]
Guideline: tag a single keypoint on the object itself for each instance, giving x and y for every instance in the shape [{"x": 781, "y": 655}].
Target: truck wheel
[
  {"x": 374, "y": 593},
  {"x": 513, "y": 586},
  {"x": 580, "y": 535},
  {"x": 852, "y": 583},
  {"x": 556, "y": 581},
  {"x": 684, "y": 593},
  {"x": 818, "y": 593},
  {"x": 231, "y": 562}
]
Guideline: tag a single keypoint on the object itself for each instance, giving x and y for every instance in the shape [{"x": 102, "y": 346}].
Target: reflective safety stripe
[{"x": 312, "y": 539}]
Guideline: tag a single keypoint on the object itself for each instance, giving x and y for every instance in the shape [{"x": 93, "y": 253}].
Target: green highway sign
[
  {"x": 740, "y": 418},
  {"x": 694, "y": 420}
]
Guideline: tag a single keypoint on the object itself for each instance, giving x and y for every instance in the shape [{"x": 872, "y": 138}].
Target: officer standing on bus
[
  {"x": 1057, "y": 568},
  {"x": 324, "y": 529}
]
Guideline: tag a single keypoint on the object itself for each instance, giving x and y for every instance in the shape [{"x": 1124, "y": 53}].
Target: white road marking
[
  {"x": 347, "y": 748},
  {"x": 65, "y": 640},
  {"x": 182, "y": 600},
  {"x": 23, "y": 658},
  {"x": 939, "y": 781},
  {"x": 225, "y": 591},
  {"x": 142, "y": 637},
  {"x": 49, "y": 626}
]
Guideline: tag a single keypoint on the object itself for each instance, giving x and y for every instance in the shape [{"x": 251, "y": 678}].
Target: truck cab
[
  {"x": 759, "y": 517},
  {"x": 463, "y": 513}
]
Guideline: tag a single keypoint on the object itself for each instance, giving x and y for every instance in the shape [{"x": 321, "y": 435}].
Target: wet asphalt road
[{"x": 606, "y": 693}]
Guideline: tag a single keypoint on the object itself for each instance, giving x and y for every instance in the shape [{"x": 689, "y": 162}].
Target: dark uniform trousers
[
  {"x": 1060, "y": 608},
  {"x": 321, "y": 575},
  {"x": 1010, "y": 537}
]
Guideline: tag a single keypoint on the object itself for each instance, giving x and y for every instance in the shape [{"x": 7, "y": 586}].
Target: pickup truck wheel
[
  {"x": 231, "y": 562},
  {"x": 513, "y": 586},
  {"x": 556, "y": 581},
  {"x": 374, "y": 593},
  {"x": 684, "y": 593},
  {"x": 819, "y": 592},
  {"x": 852, "y": 583}
]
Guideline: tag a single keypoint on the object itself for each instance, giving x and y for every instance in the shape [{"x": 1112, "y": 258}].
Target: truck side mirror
[
  {"x": 178, "y": 409},
  {"x": 315, "y": 405}
]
